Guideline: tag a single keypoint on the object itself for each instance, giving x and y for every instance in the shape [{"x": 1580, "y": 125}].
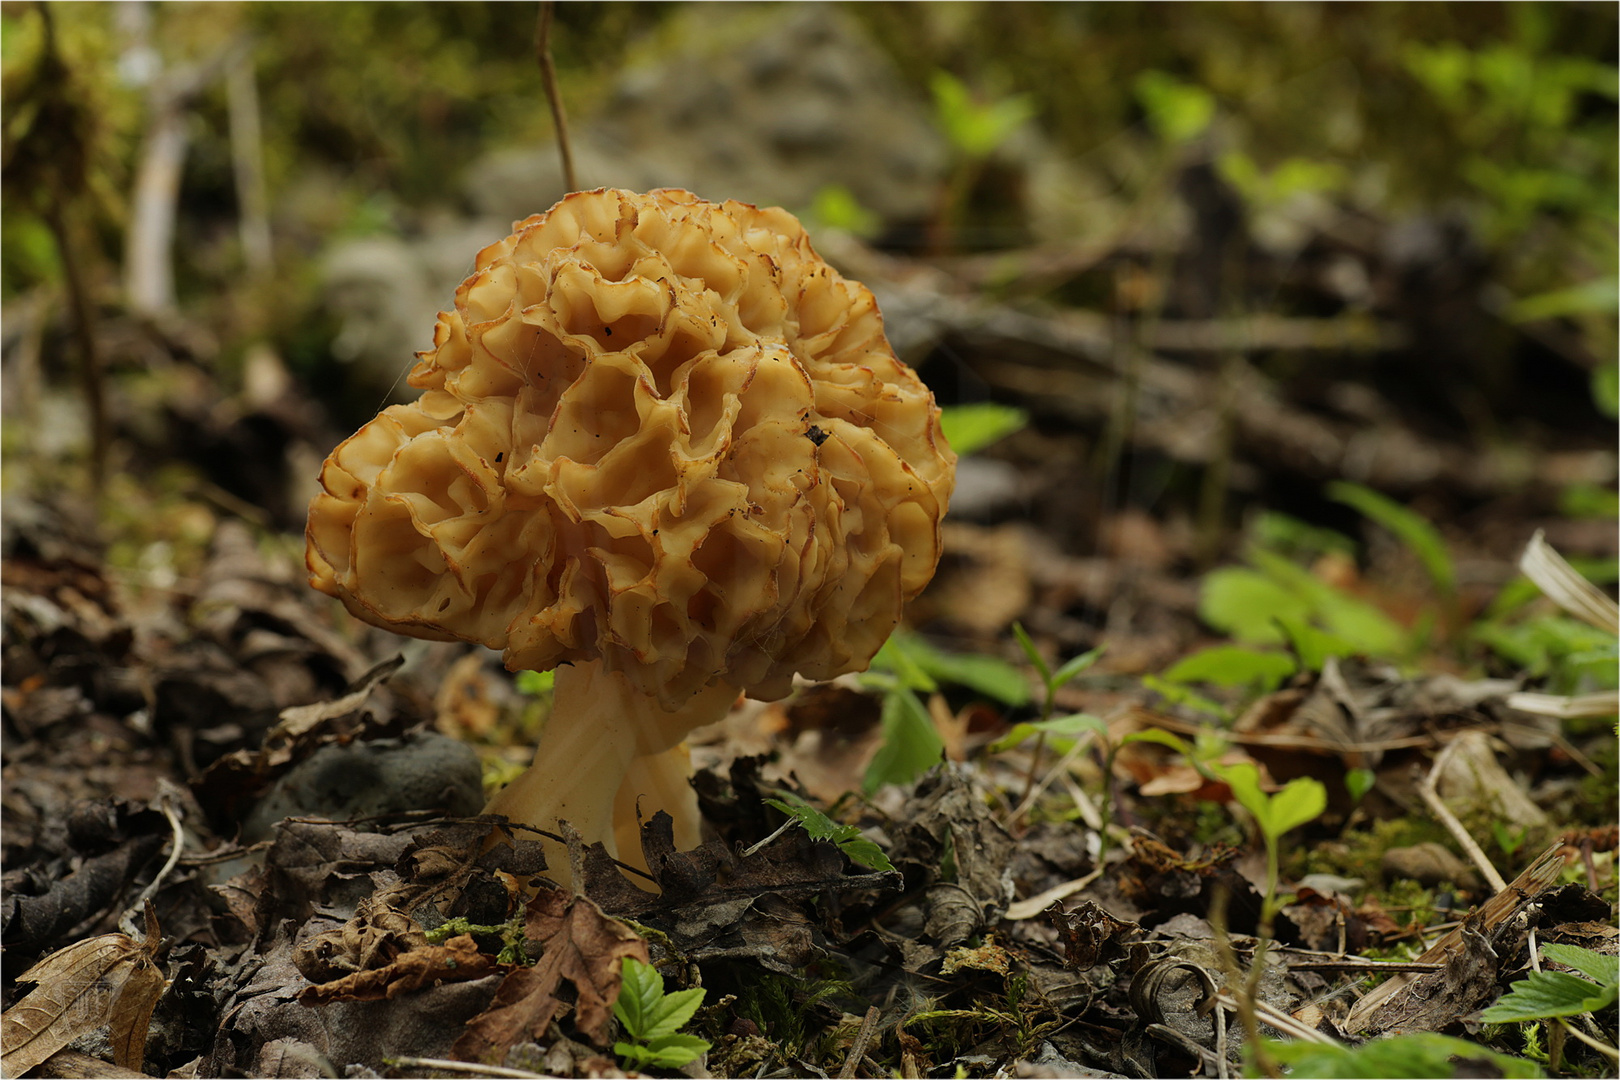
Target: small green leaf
[
  {"x": 1545, "y": 994},
  {"x": 1163, "y": 738},
  {"x": 1179, "y": 112},
  {"x": 1248, "y": 605},
  {"x": 1034, "y": 654},
  {"x": 640, "y": 989},
  {"x": 1301, "y": 799},
  {"x": 864, "y": 852},
  {"x": 1181, "y": 695},
  {"x": 821, "y": 827},
  {"x": 653, "y": 1018},
  {"x": 1411, "y": 529},
  {"x": 1421, "y": 1054},
  {"x": 1075, "y": 665},
  {"x": 673, "y": 1051},
  {"x": 672, "y": 1013},
  {"x": 1605, "y": 969},
  {"x": 1359, "y": 781},
  {"x": 908, "y": 652},
  {"x": 1233, "y": 665},
  {"x": 895, "y": 657},
  {"x": 910, "y": 747},
  {"x": 971, "y": 428}
]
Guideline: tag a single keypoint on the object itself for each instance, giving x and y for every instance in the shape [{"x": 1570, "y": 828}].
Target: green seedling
[
  {"x": 1557, "y": 995},
  {"x": 1051, "y": 682},
  {"x": 1413, "y": 530},
  {"x": 906, "y": 666},
  {"x": 911, "y": 744},
  {"x": 1358, "y": 782},
  {"x": 1300, "y": 800},
  {"x": 848, "y": 838},
  {"x": 1234, "y": 666},
  {"x": 1417, "y": 1054},
  {"x": 653, "y": 1019}
]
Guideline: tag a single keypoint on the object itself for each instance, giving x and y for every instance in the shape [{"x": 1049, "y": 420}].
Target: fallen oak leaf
[
  {"x": 108, "y": 981},
  {"x": 582, "y": 945},
  {"x": 457, "y": 960}
]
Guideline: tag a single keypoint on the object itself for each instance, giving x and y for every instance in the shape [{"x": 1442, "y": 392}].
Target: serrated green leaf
[
  {"x": 672, "y": 1012},
  {"x": 864, "y": 852},
  {"x": 1605, "y": 969},
  {"x": 640, "y": 988},
  {"x": 910, "y": 747},
  {"x": 821, "y": 827},
  {"x": 971, "y": 428},
  {"x": 1542, "y": 995},
  {"x": 813, "y": 821},
  {"x": 1421, "y": 1054},
  {"x": 673, "y": 1051}
]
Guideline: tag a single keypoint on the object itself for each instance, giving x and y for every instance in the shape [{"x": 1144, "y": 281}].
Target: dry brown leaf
[
  {"x": 583, "y": 946},
  {"x": 109, "y": 981},
  {"x": 457, "y": 960}
]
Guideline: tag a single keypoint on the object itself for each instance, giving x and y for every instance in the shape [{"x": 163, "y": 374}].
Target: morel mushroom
[{"x": 664, "y": 448}]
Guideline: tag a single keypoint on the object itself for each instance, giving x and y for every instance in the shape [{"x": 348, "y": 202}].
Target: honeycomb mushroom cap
[{"x": 654, "y": 431}]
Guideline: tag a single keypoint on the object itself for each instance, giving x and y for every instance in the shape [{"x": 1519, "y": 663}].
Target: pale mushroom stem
[
  {"x": 656, "y": 782},
  {"x": 586, "y": 762}
]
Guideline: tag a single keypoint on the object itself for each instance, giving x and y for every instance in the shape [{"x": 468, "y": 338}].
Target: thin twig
[
  {"x": 1431, "y": 799},
  {"x": 857, "y": 1049},
  {"x": 548, "y": 75},
  {"x": 166, "y": 797}
]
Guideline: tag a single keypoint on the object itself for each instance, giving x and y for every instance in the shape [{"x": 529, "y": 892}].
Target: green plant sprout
[
  {"x": 1051, "y": 682},
  {"x": 1416, "y": 1054},
  {"x": 970, "y": 428},
  {"x": 975, "y": 128},
  {"x": 848, "y": 838},
  {"x": 1073, "y": 727},
  {"x": 1301, "y": 800},
  {"x": 836, "y": 207},
  {"x": 907, "y": 665},
  {"x": 653, "y": 1019},
  {"x": 1558, "y": 995},
  {"x": 1412, "y": 529}
]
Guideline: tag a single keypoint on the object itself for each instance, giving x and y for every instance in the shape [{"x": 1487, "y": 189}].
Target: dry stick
[
  {"x": 1431, "y": 799},
  {"x": 548, "y": 75},
  {"x": 857, "y": 1049}
]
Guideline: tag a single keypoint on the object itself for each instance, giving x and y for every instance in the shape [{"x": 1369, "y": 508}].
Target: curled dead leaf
[
  {"x": 109, "y": 981},
  {"x": 583, "y": 946}
]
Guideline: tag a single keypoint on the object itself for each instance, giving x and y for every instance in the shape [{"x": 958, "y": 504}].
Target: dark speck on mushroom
[{"x": 816, "y": 435}]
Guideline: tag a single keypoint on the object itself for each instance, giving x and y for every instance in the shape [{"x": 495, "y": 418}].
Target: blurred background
[{"x": 1193, "y": 264}]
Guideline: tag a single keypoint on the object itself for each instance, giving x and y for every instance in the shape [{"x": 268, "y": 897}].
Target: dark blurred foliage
[{"x": 1492, "y": 127}]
